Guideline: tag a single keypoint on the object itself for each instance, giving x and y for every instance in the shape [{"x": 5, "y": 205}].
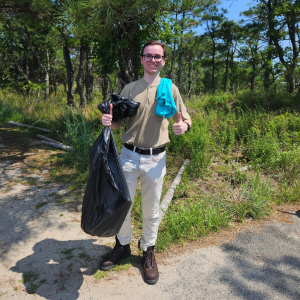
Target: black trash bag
[
  {"x": 106, "y": 200},
  {"x": 122, "y": 107}
]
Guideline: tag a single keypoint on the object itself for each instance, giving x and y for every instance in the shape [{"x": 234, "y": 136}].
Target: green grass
[
  {"x": 254, "y": 199},
  {"x": 124, "y": 265},
  {"x": 68, "y": 253},
  {"x": 29, "y": 276},
  {"x": 28, "y": 279},
  {"x": 191, "y": 220},
  {"x": 82, "y": 255},
  {"x": 43, "y": 281},
  {"x": 32, "y": 288},
  {"x": 38, "y": 206}
]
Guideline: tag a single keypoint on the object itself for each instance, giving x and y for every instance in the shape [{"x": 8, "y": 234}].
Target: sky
[{"x": 234, "y": 8}]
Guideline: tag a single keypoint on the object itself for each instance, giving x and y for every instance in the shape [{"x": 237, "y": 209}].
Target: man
[{"x": 143, "y": 156}]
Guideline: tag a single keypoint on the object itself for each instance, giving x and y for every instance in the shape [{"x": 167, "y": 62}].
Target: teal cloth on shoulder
[{"x": 165, "y": 103}]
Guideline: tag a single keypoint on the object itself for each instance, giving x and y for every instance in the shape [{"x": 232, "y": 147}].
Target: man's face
[{"x": 152, "y": 67}]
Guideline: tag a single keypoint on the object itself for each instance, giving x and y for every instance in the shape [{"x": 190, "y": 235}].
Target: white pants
[{"x": 151, "y": 169}]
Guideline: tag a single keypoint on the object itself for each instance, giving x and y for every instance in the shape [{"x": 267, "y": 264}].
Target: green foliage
[
  {"x": 195, "y": 145},
  {"x": 68, "y": 253},
  {"x": 192, "y": 220},
  {"x": 80, "y": 134},
  {"x": 261, "y": 148},
  {"x": 29, "y": 276},
  {"x": 254, "y": 199},
  {"x": 269, "y": 100},
  {"x": 6, "y": 112},
  {"x": 288, "y": 192}
]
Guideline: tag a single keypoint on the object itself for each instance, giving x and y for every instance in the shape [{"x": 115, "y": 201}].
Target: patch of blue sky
[{"x": 234, "y": 9}]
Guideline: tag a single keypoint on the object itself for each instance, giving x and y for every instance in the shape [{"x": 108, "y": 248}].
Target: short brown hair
[{"x": 155, "y": 42}]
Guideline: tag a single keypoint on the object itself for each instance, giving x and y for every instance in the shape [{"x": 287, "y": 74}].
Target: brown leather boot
[
  {"x": 150, "y": 267},
  {"x": 118, "y": 253}
]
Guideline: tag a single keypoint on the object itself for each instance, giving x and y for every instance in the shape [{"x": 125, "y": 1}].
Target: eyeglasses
[{"x": 157, "y": 58}]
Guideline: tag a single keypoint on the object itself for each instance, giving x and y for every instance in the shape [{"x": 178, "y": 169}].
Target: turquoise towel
[{"x": 165, "y": 103}]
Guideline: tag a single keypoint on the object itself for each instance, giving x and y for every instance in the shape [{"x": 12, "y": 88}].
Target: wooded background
[{"x": 87, "y": 45}]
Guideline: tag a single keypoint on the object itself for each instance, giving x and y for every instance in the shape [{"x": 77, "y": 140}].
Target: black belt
[{"x": 146, "y": 151}]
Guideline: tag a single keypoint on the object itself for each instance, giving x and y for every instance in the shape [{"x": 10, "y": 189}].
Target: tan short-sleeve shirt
[{"x": 146, "y": 129}]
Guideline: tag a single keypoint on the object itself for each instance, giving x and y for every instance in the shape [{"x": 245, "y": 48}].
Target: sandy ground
[{"x": 45, "y": 251}]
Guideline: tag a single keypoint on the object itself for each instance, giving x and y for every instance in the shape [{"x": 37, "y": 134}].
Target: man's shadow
[
  {"x": 297, "y": 213},
  {"x": 56, "y": 269}
]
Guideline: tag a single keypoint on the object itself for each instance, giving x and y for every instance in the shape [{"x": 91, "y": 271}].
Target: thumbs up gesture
[
  {"x": 180, "y": 127},
  {"x": 107, "y": 118}
]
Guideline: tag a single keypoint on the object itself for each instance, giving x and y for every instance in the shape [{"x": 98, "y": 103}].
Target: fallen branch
[
  {"x": 24, "y": 125},
  {"x": 58, "y": 146},
  {"x": 42, "y": 137},
  {"x": 170, "y": 193}
]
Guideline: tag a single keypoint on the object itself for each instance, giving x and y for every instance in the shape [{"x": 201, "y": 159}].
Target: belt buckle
[{"x": 142, "y": 150}]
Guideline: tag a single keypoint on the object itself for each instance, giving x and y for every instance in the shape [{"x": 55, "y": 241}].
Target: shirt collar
[{"x": 151, "y": 85}]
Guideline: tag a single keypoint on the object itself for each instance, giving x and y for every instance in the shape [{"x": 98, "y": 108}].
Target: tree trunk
[
  {"x": 89, "y": 78},
  {"x": 38, "y": 91},
  {"x": 129, "y": 66},
  {"x": 232, "y": 75},
  {"x": 16, "y": 74},
  {"x": 292, "y": 84},
  {"x": 80, "y": 87},
  {"x": 47, "y": 71},
  {"x": 38, "y": 95},
  {"x": 27, "y": 72},
  {"x": 70, "y": 74},
  {"x": 105, "y": 87},
  {"x": 213, "y": 61},
  {"x": 18, "y": 68},
  {"x": 190, "y": 75},
  {"x": 226, "y": 71},
  {"x": 54, "y": 83},
  {"x": 291, "y": 20},
  {"x": 268, "y": 67},
  {"x": 173, "y": 54},
  {"x": 180, "y": 54},
  {"x": 26, "y": 36}
]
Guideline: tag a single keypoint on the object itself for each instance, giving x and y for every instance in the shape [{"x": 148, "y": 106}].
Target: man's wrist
[{"x": 188, "y": 126}]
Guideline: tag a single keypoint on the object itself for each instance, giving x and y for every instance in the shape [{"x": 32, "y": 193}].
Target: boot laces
[{"x": 149, "y": 259}]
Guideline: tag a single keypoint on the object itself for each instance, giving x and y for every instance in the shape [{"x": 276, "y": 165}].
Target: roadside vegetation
[{"x": 243, "y": 151}]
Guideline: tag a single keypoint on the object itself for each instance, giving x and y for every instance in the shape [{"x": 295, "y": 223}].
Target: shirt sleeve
[
  {"x": 124, "y": 92},
  {"x": 179, "y": 105}
]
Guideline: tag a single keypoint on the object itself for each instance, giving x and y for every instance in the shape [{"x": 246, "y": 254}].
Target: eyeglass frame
[{"x": 153, "y": 56}]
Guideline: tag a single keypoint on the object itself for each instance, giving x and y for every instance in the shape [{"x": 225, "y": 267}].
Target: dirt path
[{"x": 44, "y": 254}]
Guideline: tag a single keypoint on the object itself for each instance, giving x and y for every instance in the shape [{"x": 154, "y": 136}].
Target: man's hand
[
  {"x": 107, "y": 118},
  {"x": 180, "y": 127}
]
